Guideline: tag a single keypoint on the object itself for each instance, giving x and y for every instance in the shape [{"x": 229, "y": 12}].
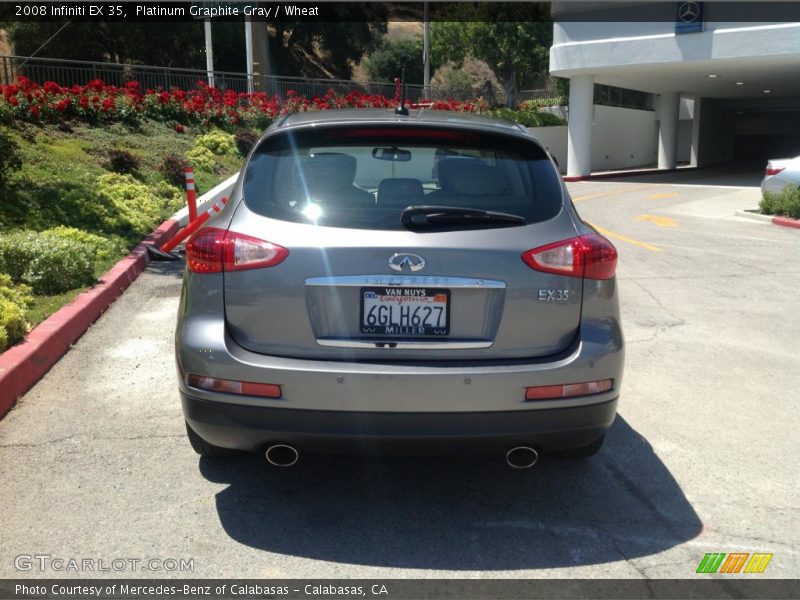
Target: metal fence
[{"x": 72, "y": 72}]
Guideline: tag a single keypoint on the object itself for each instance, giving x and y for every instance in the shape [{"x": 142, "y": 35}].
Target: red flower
[
  {"x": 63, "y": 104},
  {"x": 35, "y": 110},
  {"x": 13, "y": 101},
  {"x": 83, "y": 102},
  {"x": 180, "y": 128}
]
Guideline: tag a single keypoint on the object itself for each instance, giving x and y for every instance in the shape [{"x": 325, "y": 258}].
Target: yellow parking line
[
  {"x": 623, "y": 238},
  {"x": 657, "y": 220},
  {"x": 660, "y": 196},
  {"x": 614, "y": 193}
]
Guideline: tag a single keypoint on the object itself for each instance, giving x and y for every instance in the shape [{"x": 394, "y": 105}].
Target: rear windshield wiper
[{"x": 445, "y": 216}]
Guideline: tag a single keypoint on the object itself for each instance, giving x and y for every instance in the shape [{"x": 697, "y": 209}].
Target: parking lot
[{"x": 704, "y": 455}]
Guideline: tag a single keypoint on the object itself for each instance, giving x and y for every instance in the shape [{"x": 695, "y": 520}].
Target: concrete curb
[
  {"x": 780, "y": 221},
  {"x": 786, "y": 222},
  {"x": 21, "y": 366},
  {"x": 754, "y": 216}
]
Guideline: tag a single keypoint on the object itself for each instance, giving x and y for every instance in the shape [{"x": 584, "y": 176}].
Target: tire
[
  {"x": 583, "y": 451},
  {"x": 203, "y": 448}
]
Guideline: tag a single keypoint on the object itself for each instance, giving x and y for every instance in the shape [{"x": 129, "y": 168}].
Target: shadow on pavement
[
  {"x": 458, "y": 514},
  {"x": 173, "y": 268},
  {"x": 737, "y": 174}
]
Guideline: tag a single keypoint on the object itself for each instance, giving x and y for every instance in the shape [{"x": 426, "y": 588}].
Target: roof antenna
[{"x": 401, "y": 109}]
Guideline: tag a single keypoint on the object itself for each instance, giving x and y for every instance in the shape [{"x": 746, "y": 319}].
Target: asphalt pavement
[{"x": 704, "y": 455}]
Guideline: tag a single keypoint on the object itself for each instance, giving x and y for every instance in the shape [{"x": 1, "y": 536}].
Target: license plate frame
[{"x": 410, "y": 295}]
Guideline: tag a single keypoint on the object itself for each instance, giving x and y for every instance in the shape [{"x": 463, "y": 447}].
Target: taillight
[
  {"x": 228, "y": 386},
  {"x": 215, "y": 250},
  {"x": 774, "y": 170},
  {"x": 591, "y": 256},
  {"x": 567, "y": 390}
]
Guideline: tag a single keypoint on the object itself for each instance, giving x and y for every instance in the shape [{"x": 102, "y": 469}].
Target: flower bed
[{"x": 97, "y": 102}]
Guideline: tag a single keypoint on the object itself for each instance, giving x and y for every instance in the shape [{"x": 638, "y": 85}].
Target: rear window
[{"x": 365, "y": 177}]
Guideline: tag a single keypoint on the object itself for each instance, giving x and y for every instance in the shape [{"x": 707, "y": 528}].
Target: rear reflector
[
  {"x": 591, "y": 256},
  {"x": 227, "y": 386},
  {"x": 568, "y": 390},
  {"x": 774, "y": 170},
  {"x": 213, "y": 250}
]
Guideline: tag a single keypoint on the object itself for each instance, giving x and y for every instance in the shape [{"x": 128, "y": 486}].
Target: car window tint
[{"x": 324, "y": 178}]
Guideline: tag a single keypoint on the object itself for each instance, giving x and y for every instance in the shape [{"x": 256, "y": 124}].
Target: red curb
[
  {"x": 619, "y": 174},
  {"x": 21, "y": 366},
  {"x": 786, "y": 222}
]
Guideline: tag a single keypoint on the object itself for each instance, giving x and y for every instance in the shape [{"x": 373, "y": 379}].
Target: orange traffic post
[
  {"x": 191, "y": 193},
  {"x": 192, "y": 226}
]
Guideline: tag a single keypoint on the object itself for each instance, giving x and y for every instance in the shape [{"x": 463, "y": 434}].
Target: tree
[
  {"x": 302, "y": 48},
  {"x": 317, "y": 48},
  {"x": 392, "y": 57},
  {"x": 514, "y": 49},
  {"x": 179, "y": 44}
]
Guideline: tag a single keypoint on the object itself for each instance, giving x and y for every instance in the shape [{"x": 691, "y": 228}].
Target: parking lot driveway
[{"x": 702, "y": 458}]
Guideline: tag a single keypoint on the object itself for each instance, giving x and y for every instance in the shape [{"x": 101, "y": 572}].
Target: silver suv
[{"x": 381, "y": 280}]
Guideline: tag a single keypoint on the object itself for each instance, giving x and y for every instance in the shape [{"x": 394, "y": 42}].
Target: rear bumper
[
  {"x": 252, "y": 427},
  {"x": 328, "y": 403}
]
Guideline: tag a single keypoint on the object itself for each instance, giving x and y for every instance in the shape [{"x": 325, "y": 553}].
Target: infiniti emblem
[{"x": 406, "y": 262}]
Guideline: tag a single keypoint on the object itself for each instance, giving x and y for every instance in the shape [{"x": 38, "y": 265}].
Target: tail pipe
[
  {"x": 522, "y": 457},
  {"x": 282, "y": 455}
]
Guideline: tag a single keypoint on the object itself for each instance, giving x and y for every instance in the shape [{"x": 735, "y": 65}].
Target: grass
[
  {"x": 44, "y": 306},
  {"x": 58, "y": 180}
]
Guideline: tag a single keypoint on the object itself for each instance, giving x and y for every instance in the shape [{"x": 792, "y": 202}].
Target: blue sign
[{"x": 689, "y": 17}]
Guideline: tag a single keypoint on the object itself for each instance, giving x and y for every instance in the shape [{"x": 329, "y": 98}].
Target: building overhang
[{"x": 728, "y": 60}]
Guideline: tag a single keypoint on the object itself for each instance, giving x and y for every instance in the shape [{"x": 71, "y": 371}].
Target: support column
[
  {"x": 696, "y": 116},
  {"x": 579, "y": 143},
  {"x": 668, "y": 130}
]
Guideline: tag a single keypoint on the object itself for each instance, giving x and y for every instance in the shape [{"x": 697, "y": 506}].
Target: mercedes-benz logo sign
[
  {"x": 689, "y": 12},
  {"x": 406, "y": 262}
]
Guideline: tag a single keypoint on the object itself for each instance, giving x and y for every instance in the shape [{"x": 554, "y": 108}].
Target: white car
[{"x": 780, "y": 173}]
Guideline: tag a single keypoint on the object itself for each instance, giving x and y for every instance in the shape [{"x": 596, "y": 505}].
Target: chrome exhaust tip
[
  {"x": 522, "y": 457},
  {"x": 281, "y": 455}
]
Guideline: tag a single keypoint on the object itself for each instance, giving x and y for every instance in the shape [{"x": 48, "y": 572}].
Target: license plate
[{"x": 405, "y": 311}]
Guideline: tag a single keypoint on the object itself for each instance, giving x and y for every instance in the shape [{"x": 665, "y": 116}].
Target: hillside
[{"x": 83, "y": 196}]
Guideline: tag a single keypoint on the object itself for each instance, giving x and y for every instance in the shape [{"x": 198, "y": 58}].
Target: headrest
[
  {"x": 317, "y": 174},
  {"x": 471, "y": 177},
  {"x": 400, "y": 188}
]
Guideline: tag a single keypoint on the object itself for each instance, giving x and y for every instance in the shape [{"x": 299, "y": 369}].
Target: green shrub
[
  {"x": 14, "y": 299},
  {"x": 123, "y": 162},
  {"x": 533, "y": 104},
  {"x": 49, "y": 264},
  {"x": 785, "y": 203},
  {"x": 131, "y": 206},
  {"x": 217, "y": 142},
  {"x": 102, "y": 248},
  {"x": 10, "y": 159},
  {"x": 528, "y": 118},
  {"x": 202, "y": 158},
  {"x": 245, "y": 140}
]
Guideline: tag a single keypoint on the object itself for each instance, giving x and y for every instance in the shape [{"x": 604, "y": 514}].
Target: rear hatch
[{"x": 365, "y": 277}]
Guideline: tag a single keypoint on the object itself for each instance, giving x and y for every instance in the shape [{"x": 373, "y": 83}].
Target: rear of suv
[{"x": 382, "y": 280}]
